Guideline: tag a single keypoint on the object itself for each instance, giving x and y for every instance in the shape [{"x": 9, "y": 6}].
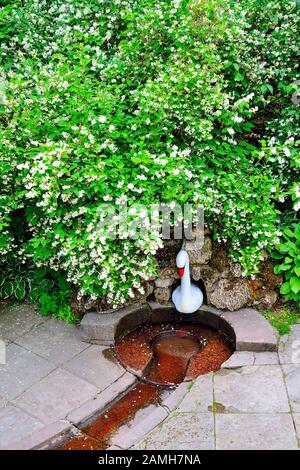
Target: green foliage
[
  {"x": 155, "y": 101},
  {"x": 282, "y": 320},
  {"x": 65, "y": 313},
  {"x": 288, "y": 252},
  {"x": 48, "y": 289}
]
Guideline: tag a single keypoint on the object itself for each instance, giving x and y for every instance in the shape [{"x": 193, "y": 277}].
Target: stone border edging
[
  {"x": 146, "y": 419},
  {"x": 247, "y": 327}
]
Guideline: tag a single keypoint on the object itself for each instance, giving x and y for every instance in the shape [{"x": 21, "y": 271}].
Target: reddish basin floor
[
  {"x": 135, "y": 351},
  {"x": 163, "y": 355}
]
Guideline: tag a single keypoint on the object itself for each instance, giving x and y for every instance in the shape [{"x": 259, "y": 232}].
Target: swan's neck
[{"x": 186, "y": 280}]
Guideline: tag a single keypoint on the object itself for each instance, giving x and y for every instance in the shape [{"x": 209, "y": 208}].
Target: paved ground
[
  {"x": 252, "y": 403},
  {"x": 51, "y": 378}
]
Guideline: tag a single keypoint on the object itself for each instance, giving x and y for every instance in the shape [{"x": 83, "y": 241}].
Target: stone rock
[
  {"x": 166, "y": 277},
  {"x": 162, "y": 294},
  {"x": 163, "y": 282},
  {"x": 201, "y": 255},
  {"x": 141, "y": 297},
  {"x": 289, "y": 346},
  {"x": 196, "y": 273},
  {"x": 267, "y": 300},
  {"x": 196, "y": 242},
  {"x": 166, "y": 256},
  {"x": 254, "y": 288},
  {"x": 235, "y": 269},
  {"x": 103, "y": 328},
  {"x": 209, "y": 276},
  {"x": 270, "y": 280},
  {"x": 229, "y": 295},
  {"x": 220, "y": 261}
]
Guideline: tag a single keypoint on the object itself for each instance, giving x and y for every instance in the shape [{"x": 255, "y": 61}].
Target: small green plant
[
  {"x": 282, "y": 320},
  {"x": 65, "y": 313},
  {"x": 49, "y": 289},
  {"x": 288, "y": 252}
]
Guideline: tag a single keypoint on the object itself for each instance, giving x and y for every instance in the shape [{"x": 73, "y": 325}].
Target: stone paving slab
[
  {"x": 255, "y": 432},
  {"x": 253, "y": 332},
  {"x": 296, "y": 417},
  {"x": 292, "y": 380},
  {"x": 181, "y": 431},
  {"x": 3, "y": 402},
  {"x": 22, "y": 369},
  {"x": 250, "y": 358},
  {"x": 199, "y": 399},
  {"x": 143, "y": 422},
  {"x": 54, "y": 340},
  {"x": 239, "y": 359},
  {"x": 251, "y": 389},
  {"x": 266, "y": 359},
  {"x": 15, "y": 320},
  {"x": 172, "y": 399},
  {"x": 102, "y": 400},
  {"x": 289, "y": 346},
  {"x": 93, "y": 366},
  {"x": 55, "y": 396},
  {"x": 40, "y": 439},
  {"x": 15, "y": 424}
]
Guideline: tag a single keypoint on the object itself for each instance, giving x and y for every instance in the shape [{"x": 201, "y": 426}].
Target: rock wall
[
  {"x": 220, "y": 278},
  {"x": 225, "y": 286}
]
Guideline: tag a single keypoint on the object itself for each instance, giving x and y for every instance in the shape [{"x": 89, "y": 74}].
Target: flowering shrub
[{"x": 155, "y": 101}]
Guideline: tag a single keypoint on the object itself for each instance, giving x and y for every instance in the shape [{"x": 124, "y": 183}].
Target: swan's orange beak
[{"x": 180, "y": 271}]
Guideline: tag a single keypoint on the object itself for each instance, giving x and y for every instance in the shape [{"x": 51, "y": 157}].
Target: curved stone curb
[
  {"x": 247, "y": 327},
  {"x": 101, "y": 328}
]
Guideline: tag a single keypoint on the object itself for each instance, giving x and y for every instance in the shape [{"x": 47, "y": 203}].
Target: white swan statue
[{"x": 187, "y": 297}]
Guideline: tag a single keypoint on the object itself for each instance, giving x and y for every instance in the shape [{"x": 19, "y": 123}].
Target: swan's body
[{"x": 187, "y": 297}]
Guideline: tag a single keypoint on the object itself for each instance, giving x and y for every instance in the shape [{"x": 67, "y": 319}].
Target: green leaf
[
  {"x": 285, "y": 288},
  {"x": 297, "y": 270},
  {"x": 279, "y": 268},
  {"x": 20, "y": 290},
  {"x": 287, "y": 231},
  {"x": 283, "y": 248},
  {"x": 276, "y": 255},
  {"x": 7, "y": 290},
  {"x": 295, "y": 284}
]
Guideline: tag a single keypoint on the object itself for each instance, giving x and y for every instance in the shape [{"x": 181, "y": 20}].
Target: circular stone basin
[{"x": 170, "y": 353}]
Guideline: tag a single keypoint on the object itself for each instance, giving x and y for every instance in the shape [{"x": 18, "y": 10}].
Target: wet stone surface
[
  {"x": 188, "y": 351},
  {"x": 96, "y": 434}
]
